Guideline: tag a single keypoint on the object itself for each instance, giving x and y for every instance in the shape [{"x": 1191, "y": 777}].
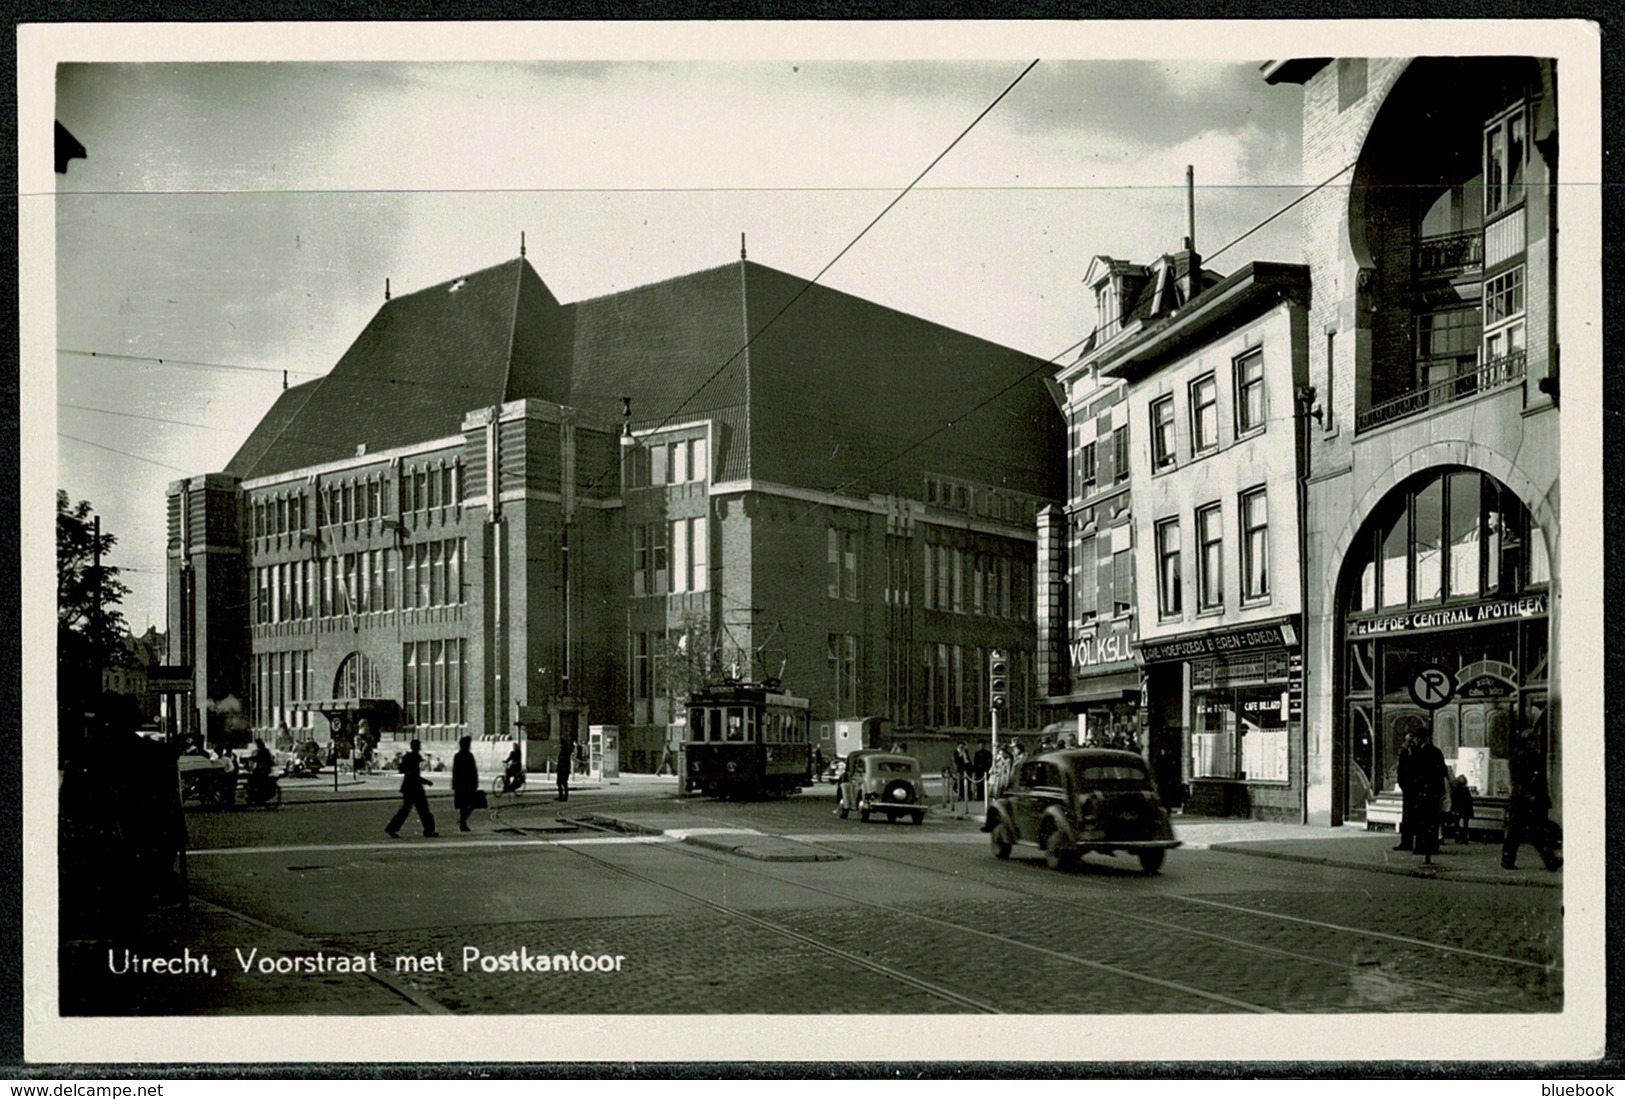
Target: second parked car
[{"x": 882, "y": 782}]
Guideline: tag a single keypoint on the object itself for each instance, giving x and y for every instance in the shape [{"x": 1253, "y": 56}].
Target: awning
[{"x": 1104, "y": 688}]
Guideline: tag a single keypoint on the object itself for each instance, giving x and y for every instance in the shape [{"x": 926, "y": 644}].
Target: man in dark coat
[
  {"x": 465, "y": 782},
  {"x": 1431, "y": 779},
  {"x": 412, "y": 795},
  {"x": 1528, "y": 805},
  {"x": 980, "y": 766},
  {"x": 566, "y": 761}
]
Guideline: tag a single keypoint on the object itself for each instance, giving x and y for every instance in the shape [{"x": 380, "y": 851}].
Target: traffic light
[{"x": 998, "y": 681}]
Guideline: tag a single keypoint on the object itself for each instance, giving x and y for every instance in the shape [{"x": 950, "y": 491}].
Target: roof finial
[
  {"x": 521, "y": 244},
  {"x": 741, "y": 246},
  {"x": 386, "y": 289}
]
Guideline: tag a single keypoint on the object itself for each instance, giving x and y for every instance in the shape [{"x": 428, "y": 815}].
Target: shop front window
[{"x": 1241, "y": 733}]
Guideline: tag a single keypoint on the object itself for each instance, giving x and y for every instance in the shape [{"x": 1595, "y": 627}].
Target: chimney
[{"x": 1188, "y": 264}]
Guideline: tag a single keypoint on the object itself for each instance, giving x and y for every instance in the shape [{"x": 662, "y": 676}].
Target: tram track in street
[
  {"x": 941, "y": 991},
  {"x": 1446, "y": 996}
]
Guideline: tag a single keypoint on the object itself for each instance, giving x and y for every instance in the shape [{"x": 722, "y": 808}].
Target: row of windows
[
  {"x": 985, "y": 502},
  {"x": 1102, "y": 579},
  {"x": 1247, "y": 379},
  {"x": 1085, "y": 472},
  {"x": 669, "y": 558},
  {"x": 435, "y": 682},
  {"x": 280, "y": 680},
  {"x": 1253, "y": 511},
  {"x": 1457, "y": 535},
  {"x": 953, "y": 689},
  {"x": 672, "y": 463},
  {"x": 738, "y": 724},
  {"x": 358, "y": 499},
  {"x": 422, "y": 574},
  {"x": 966, "y": 582}
]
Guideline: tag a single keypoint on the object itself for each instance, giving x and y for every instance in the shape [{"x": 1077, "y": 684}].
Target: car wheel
[
  {"x": 1151, "y": 861},
  {"x": 1056, "y": 854},
  {"x": 1001, "y": 840}
]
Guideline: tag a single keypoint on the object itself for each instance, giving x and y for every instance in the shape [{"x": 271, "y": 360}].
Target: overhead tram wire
[
  {"x": 125, "y": 454},
  {"x": 1041, "y": 368},
  {"x": 810, "y": 283},
  {"x": 191, "y": 363}
]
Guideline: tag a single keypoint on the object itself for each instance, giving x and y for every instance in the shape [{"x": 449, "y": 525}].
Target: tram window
[
  {"x": 736, "y": 723},
  {"x": 713, "y": 723},
  {"x": 750, "y": 726},
  {"x": 696, "y": 723}
]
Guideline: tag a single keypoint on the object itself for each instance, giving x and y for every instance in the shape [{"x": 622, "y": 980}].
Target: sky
[{"x": 239, "y": 219}]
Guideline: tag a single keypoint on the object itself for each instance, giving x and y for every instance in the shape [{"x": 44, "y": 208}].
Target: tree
[{"x": 90, "y": 629}]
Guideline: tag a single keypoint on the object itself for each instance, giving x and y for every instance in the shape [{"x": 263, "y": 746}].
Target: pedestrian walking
[
  {"x": 950, "y": 780},
  {"x": 566, "y": 761},
  {"x": 465, "y": 782},
  {"x": 962, "y": 769},
  {"x": 412, "y": 795},
  {"x": 1528, "y": 805},
  {"x": 818, "y": 762}
]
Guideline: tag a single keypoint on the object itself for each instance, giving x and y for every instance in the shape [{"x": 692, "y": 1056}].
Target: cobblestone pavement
[{"x": 913, "y": 920}]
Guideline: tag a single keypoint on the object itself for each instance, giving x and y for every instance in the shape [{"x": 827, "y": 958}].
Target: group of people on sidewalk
[
  {"x": 1433, "y": 802},
  {"x": 466, "y": 793}
]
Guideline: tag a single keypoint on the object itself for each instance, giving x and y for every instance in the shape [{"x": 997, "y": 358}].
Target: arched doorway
[
  {"x": 357, "y": 678},
  {"x": 1444, "y": 625}
]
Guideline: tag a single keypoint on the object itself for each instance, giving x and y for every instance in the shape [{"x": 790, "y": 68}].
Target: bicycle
[{"x": 500, "y": 785}]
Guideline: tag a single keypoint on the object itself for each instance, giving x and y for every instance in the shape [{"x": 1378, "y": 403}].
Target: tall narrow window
[
  {"x": 699, "y": 555},
  {"x": 1120, "y": 453},
  {"x": 1210, "y": 562},
  {"x": 1466, "y": 533},
  {"x": 679, "y": 555},
  {"x": 1250, "y": 392},
  {"x": 1122, "y": 582},
  {"x": 1204, "y": 414},
  {"x": 1086, "y": 469},
  {"x": 1506, "y": 153},
  {"x": 1169, "y": 603},
  {"x": 658, "y": 559},
  {"x": 1427, "y": 537},
  {"x": 640, "y": 560},
  {"x": 1255, "y": 545},
  {"x": 1162, "y": 433}
]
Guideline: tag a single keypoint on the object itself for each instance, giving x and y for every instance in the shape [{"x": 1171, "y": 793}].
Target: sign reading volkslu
[
  {"x": 1109, "y": 644},
  {"x": 1229, "y": 641},
  {"x": 1527, "y": 607}
]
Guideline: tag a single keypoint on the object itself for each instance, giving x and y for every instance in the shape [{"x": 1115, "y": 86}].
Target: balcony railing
[
  {"x": 1449, "y": 252},
  {"x": 1486, "y": 376}
]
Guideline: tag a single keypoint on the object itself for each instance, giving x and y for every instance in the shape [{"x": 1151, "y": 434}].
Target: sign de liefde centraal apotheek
[{"x": 1475, "y": 614}]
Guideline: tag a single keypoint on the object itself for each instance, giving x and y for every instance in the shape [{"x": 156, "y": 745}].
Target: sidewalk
[
  {"x": 386, "y": 786},
  {"x": 1349, "y": 847}
]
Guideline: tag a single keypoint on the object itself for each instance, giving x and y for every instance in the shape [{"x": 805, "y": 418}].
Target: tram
[{"x": 746, "y": 740}]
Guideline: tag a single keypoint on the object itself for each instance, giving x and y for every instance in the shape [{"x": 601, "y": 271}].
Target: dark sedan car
[{"x": 1070, "y": 803}]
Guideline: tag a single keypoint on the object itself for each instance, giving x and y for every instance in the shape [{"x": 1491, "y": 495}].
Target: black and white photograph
[{"x": 812, "y": 542}]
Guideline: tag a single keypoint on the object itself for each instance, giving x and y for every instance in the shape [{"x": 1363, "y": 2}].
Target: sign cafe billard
[{"x": 1527, "y": 607}]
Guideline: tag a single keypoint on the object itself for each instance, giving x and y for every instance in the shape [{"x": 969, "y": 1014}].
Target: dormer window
[{"x": 1108, "y": 314}]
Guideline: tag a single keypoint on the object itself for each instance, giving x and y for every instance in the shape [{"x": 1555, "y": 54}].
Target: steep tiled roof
[{"x": 421, "y": 363}]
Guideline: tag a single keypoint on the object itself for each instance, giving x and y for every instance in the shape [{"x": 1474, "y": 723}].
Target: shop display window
[{"x": 1241, "y": 733}]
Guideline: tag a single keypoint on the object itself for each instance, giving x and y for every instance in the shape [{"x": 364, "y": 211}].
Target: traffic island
[{"x": 744, "y": 842}]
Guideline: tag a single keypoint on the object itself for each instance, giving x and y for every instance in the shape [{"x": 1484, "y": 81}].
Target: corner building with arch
[{"x": 1432, "y": 526}]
